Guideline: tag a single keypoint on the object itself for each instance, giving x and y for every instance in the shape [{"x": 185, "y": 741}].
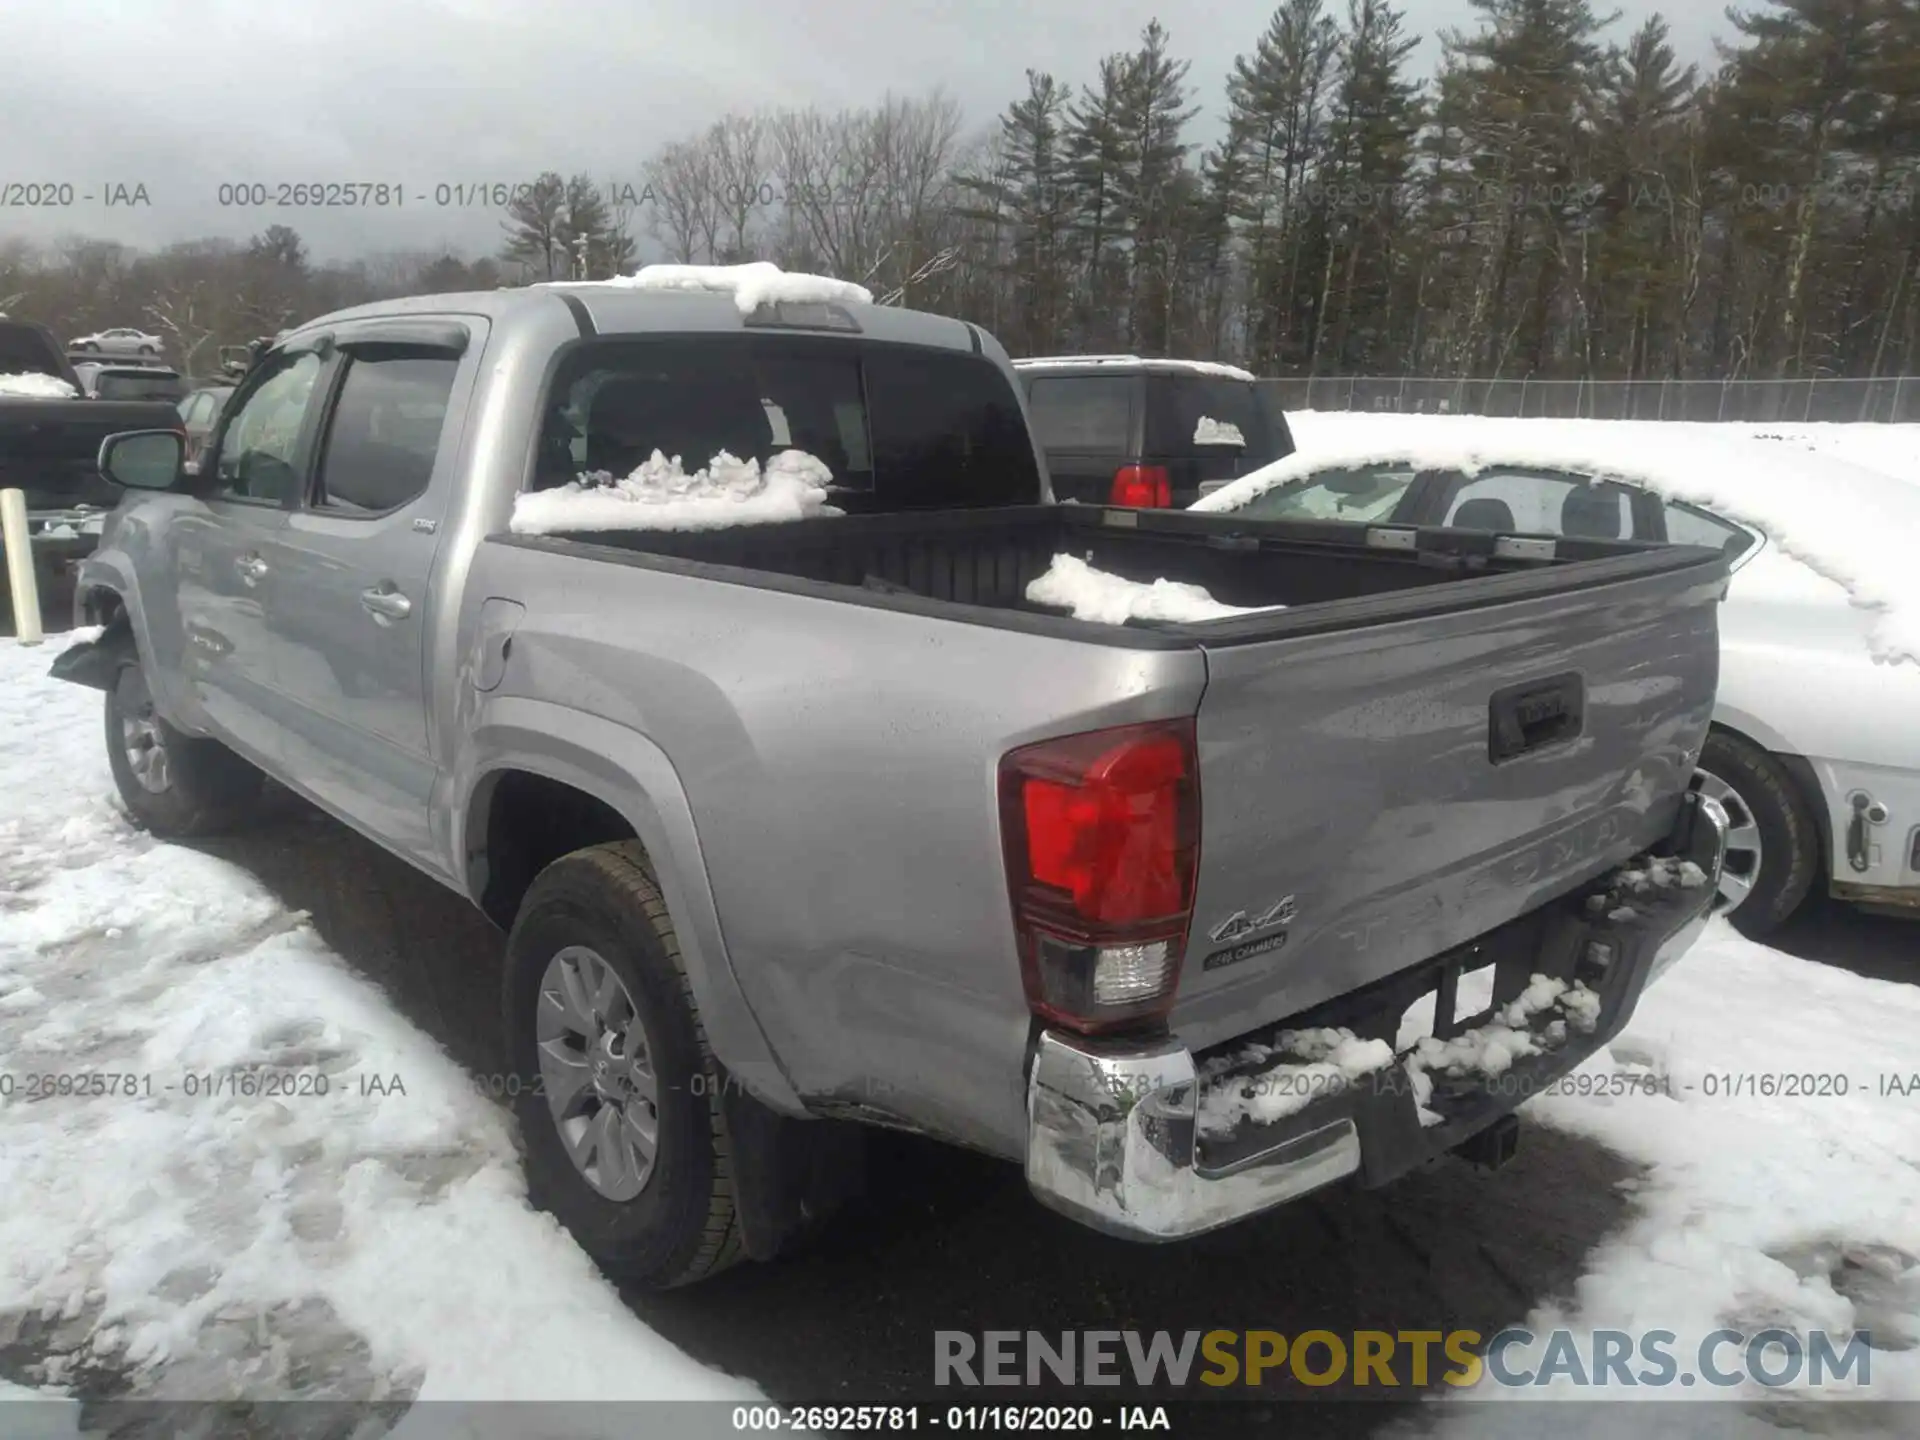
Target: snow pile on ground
[
  {"x": 660, "y": 495},
  {"x": 1313, "y": 1063},
  {"x": 174, "y": 1225},
  {"x": 31, "y": 386},
  {"x": 1849, "y": 523},
  {"x": 752, "y": 285},
  {"x": 1776, "y": 1105},
  {"x": 1109, "y": 599},
  {"x": 1894, "y": 449},
  {"x": 1217, "y": 432}
]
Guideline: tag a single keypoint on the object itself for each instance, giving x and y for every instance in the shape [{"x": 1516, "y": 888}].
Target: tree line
[{"x": 1545, "y": 198}]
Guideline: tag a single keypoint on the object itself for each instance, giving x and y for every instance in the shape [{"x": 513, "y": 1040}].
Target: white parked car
[
  {"x": 117, "y": 342},
  {"x": 1815, "y": 749}
]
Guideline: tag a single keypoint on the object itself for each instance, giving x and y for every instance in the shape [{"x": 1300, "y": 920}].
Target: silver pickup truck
[{"x": 821, "y": 821}]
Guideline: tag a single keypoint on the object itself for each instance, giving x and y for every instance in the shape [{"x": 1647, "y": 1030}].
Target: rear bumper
[{"x": 1115, "y": 1137}]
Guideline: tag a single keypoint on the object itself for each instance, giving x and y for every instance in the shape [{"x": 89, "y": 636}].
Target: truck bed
[
  {"x": 1438, "y": 736},
  {"x": 1331, "y": 575}
]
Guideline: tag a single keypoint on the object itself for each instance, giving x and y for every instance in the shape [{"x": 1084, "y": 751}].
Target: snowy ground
[
  {"x": 1799, "y": 1212},
  {"x": 196, "y": 1246}
]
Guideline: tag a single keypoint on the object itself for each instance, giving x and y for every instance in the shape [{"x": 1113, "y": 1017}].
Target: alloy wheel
[{"x": 597, "y": 1072}]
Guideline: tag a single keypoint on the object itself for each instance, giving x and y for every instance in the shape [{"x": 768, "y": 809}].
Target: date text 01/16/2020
[{"x": 1045, "y": 1419}]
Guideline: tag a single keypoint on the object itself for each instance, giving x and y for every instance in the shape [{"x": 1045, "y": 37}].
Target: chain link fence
[{"x": 1892, "y": 399}]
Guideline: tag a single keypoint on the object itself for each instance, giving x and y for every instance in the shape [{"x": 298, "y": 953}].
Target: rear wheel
[
  {"x": 618, "y": 1094},
  {"x": 172, "y": 783},
  {"x": 1773, "y": 844}
]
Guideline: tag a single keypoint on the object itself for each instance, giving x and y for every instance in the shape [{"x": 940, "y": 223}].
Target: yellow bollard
[{"x": 20, "y": 577}]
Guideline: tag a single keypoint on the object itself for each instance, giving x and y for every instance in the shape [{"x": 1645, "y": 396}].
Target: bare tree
[
  {"x": 685, "y": 217},
  {"x": 742, "y": 173}
]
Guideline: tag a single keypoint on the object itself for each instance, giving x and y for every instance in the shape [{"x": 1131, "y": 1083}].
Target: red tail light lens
[
  {"x": 1143, "y": 487},
  {"x": 1102, "y": 838}
]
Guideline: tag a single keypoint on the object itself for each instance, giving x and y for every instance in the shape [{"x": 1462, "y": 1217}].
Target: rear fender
[{"x": 634, "y": 776}]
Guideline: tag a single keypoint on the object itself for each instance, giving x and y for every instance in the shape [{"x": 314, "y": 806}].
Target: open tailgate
[{"x": 1383, "y": 786}]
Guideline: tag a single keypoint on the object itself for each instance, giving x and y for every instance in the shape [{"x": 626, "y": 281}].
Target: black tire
[
  {"x": 683, "y": 1225},
  {"x": 148, "y": 350},
  {"x": 206, "y": 787},
  {"x": 1789, "y": 859}
]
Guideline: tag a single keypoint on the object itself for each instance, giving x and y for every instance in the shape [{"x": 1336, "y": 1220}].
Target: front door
[
  {"x": 220, "y": 554},
  {"x": 350, "y": 609}
]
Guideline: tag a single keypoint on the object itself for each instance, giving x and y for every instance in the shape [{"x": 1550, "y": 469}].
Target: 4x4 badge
[{"x": 1238, "y": 924}]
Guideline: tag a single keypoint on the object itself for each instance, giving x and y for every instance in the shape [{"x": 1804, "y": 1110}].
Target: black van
[{"x": 1122, "y": 430}]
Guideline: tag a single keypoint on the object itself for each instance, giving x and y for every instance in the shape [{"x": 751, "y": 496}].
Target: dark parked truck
[
  {"x": 50, "y": 435},
  {"x": 826, "y": 819},
  {"x": 1149, "y": 433}
]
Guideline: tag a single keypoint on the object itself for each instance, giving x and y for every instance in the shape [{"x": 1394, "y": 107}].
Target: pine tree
[
  {"x": 1276, "y": 104},
  {"x": 1096, "y": 149},
  {"x": 1152, "y": 189},
  {"x": 1376, "y": 114}
]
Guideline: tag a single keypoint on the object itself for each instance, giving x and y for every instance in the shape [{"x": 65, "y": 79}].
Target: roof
[
  {"x": 1132, "y": 362},
  {"x": 627, "y": 310},
  {"x": 1850, "y": 524}
]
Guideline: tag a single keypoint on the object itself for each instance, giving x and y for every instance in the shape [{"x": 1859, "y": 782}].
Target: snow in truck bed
[
  {"x": 661, "y": 495},
  {"x": 34, "y": 386},
  {"x": 1858, "y": 527}
]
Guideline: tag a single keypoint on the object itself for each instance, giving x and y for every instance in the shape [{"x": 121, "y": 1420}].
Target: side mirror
[{"x": 145, "y": 459}]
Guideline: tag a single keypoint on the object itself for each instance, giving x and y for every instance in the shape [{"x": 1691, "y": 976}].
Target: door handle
[
  {"x": 386, "y": 605},
  {"x": 251, "y": 568}
]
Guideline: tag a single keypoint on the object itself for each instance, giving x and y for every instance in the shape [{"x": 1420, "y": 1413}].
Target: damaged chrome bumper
[{"x": 1113, "y": 1127}]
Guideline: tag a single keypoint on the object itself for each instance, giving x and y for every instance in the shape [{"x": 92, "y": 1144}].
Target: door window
[
  {"x": 260, "y": 449},
  {"x": 385, "y": 431},
  {"x": 1543, "y": 502}
]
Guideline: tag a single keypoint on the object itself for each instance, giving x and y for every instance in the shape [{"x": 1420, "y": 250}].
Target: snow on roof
[
  {"x": 660, "y": 495},
  {"x": 752, "y": 285},
  {"x": 1076, "y": 362},
  {"x": 1859, "y": 528},
  {"x": 31, "y": 386}
]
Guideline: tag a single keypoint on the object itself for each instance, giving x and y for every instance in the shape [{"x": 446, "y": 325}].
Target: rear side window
[
  {"x": 135, "y": 385},
  {"x": 899, "y": 427},
  {"x": 385, "y": 430},
  {"x": 947, "y": 432},
  {"x": 1083, "y": 415},
  {"x": 1189, "y": 415},
  {"x": 24, "y": 352}
]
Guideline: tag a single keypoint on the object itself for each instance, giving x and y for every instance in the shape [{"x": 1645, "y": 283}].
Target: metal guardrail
[{"x": 1890, "y": 399}]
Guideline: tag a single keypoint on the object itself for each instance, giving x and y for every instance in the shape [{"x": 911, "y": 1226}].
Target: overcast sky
[{"x": 182, "y": 96}]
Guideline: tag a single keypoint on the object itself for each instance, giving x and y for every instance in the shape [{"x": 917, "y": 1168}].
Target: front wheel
[
  {"x": 172, "y": 783},
  {"x": 1773, "y": 844},
  {"x": 617, "y": 1092}
]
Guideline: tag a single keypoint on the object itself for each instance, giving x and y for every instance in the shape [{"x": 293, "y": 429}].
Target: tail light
[
  {"x": 1143, "y": 487},
  {"x": 1102, "y": 838}
]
